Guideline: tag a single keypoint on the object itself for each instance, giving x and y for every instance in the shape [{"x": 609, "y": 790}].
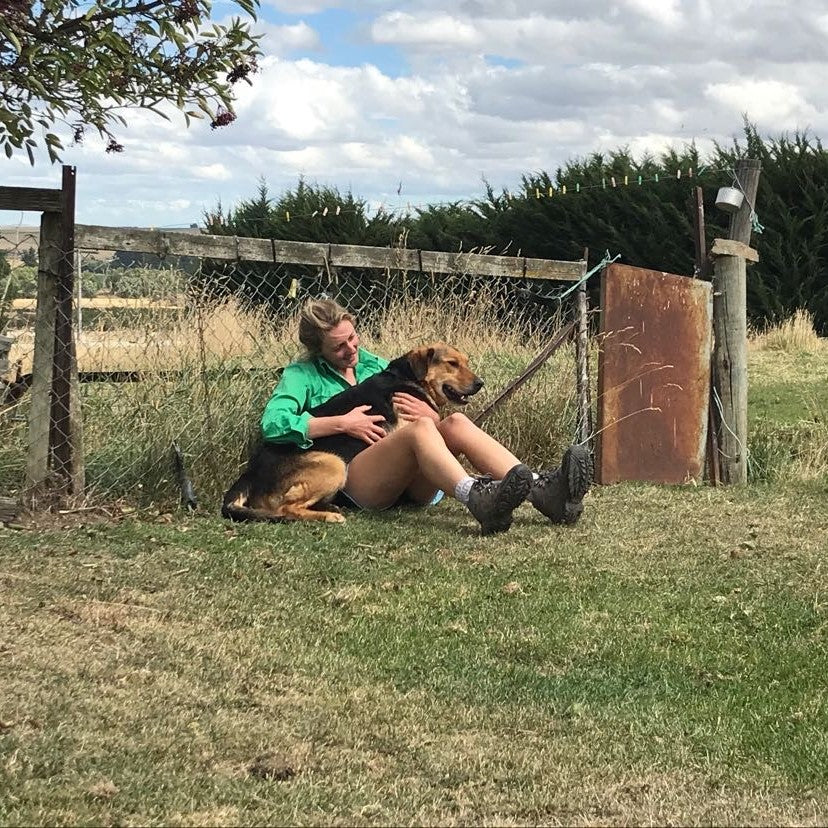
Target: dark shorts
[{"x": 345, "y": 501}]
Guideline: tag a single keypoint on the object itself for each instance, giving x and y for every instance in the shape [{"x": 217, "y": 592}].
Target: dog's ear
[{"x": 420, "y": 359}]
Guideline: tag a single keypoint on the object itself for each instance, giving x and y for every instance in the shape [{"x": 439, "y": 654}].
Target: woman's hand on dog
[
  {"x": 410, "y": 408},
  {"x": 363, "y": 426}
]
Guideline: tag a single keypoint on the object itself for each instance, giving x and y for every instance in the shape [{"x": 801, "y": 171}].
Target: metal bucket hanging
[{"x": 729, "y": 199}]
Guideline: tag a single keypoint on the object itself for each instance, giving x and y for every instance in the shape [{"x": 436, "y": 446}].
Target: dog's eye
[{"x": 453, "y": 363}]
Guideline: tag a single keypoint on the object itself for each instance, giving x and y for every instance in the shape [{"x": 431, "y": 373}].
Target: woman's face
[{"x": 340, "y": 344}]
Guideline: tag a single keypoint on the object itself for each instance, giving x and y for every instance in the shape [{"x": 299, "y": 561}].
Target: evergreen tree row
[{"x": 648, "y": 224}]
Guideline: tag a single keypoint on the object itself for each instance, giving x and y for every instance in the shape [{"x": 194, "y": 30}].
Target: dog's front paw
[{"x": 333, "y": 517}]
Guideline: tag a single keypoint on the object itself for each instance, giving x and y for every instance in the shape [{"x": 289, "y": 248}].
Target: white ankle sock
[{"x": 462, "y": 489}]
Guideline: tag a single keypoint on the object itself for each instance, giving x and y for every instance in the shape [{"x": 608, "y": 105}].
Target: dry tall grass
[
  {"x": 219, "y": 362},
  {"x": 794, "y": 334},
  {"x": 789, "y": 435},
  {"x": 223, "y": 362}
]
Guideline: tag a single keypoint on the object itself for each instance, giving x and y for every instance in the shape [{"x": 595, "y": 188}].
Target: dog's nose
[{"x": 477, "y": 385}]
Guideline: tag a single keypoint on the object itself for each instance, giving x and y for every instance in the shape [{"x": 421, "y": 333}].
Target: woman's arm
[{"x": 286, "y": 418}]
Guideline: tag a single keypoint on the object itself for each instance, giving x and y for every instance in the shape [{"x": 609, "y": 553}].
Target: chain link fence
[
  {"x": 18, "y": 290},
  {"x": 177, "y": 356}
]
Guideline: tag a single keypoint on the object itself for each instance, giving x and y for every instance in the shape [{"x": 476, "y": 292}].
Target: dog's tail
[{"x": 234, "y": 505}]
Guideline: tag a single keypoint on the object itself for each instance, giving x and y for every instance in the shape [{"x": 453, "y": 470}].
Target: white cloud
[
  {"x": 311, "y": 102},
  {"x": 414, "y": 152},
  {"x": 443, "y": 30},
  {"x": 213, "y": 172},
  {"x": 777, "y": 104},
  {"x": 308, "y": 103},
  {"x": 281, "y": 40},
  {"x": 438, "y": 95},
  {"x": 665, "y": 12}
]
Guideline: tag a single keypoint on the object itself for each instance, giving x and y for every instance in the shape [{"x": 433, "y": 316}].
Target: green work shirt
[{"x": 303, "y": 385}]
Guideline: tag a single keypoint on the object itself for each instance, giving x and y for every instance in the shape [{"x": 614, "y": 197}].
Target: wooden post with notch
[{"x": 730, "y": 376}]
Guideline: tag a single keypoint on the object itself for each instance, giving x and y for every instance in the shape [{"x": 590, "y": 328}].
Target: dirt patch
[
  {"x": 80, "y": 517},
  {"x": 273, "y": 766}
]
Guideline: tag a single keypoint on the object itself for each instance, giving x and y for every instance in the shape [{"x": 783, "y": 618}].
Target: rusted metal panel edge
[
  {"x": 599, "y": 419},
  {"x": 614, "y": 466},
  {"x": 232, "y": 248}
]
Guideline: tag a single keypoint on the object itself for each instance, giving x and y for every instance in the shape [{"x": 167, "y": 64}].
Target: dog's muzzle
[{"x": 461, "y": 397}]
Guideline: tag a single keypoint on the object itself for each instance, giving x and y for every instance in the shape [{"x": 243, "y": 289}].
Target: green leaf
[
  {"x": 13, "y": 39},
  {"x": 249, "y": 6},
  {"x": 112, "y": 55},
  {"x": 8, "y": 148}
]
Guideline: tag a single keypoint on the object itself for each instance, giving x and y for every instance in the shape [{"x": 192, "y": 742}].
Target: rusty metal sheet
[{"x": 653, "y": 376}]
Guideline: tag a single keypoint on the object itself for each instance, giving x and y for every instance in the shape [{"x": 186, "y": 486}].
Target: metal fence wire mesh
[
  {"x": 185, "y": 351},
  {"x": 18, "y": 289}
]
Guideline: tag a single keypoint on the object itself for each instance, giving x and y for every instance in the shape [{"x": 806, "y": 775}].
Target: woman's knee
[
  {"x": 456, "y": 429},
  {"x": 423, "y": 428}
]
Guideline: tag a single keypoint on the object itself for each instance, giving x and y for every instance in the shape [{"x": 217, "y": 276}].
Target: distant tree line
[{"x": 649, "y": 225}]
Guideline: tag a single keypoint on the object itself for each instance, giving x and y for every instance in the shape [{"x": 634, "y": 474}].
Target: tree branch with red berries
[{"x": 85, "y": 63}]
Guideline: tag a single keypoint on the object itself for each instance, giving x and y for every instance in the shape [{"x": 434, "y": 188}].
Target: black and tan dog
[{"x": 283, "y": 482}]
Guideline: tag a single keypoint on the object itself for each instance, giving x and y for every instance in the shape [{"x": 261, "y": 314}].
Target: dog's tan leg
[{"x": 320, "y": 478}]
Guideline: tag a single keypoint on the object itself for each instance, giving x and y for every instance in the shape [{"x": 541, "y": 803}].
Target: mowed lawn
[{"x": 662, "y": 662}]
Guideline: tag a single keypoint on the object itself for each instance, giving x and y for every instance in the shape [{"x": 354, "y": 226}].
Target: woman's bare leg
[
  {"x": 462, "y": 436},
  {"x": 416, "y": 453},
  {"x": 378, "y": 475},
  {"x": 488, "y": 456}
]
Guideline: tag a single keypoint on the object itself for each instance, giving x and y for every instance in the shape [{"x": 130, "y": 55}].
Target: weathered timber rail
[{"x": 236, "y": 248}]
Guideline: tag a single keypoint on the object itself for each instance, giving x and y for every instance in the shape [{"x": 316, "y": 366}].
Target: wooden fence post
[
  {"x": 584, "y": 433},
  {"x": 37, "y": 456},
  {"x": 55, "y": 453},
  {"x": 702, "y": 271},
  {"x": 730, "y": 333}
]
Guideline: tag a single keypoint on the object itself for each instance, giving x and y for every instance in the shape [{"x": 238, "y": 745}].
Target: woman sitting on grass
[{"x": 419, "y": 462}]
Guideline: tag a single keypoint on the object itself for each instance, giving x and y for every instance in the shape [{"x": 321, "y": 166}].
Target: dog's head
[{"x": 444, "y": 373}]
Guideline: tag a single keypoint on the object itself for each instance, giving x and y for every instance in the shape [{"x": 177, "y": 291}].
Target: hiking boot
[
  {"x": 493, "y": 501},
  {"x": 559, "y": 493}
]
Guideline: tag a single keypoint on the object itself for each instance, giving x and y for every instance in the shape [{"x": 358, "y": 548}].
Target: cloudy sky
[{"x": 417, "y": 102}]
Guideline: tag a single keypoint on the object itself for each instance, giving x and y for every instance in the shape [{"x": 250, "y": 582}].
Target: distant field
[
  {"x": 125, "y": 334},
  {"x": 16, "y": 238},
  {"x": 106, "y": 302}
]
